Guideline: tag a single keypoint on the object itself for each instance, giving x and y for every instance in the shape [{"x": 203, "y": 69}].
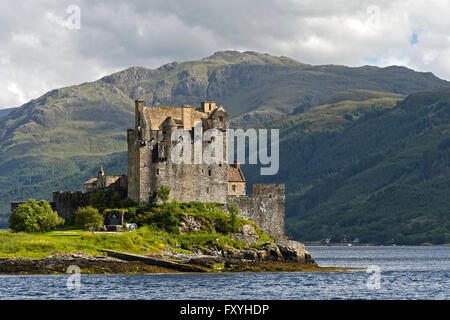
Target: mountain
[
  {"x": 58, "y": 140},
  {"x": 368, "y": 170},
  {"x": 4, "y": 112}
]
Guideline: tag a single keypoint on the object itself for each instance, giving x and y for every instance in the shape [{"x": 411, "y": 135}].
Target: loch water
[{"x": 401, "y": 272}]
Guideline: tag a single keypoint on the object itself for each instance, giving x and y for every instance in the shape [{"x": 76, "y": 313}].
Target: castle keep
[{"x": 150, "y": 165}]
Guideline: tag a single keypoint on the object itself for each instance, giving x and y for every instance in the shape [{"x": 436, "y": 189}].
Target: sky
[{"x": 50, "y": 44}]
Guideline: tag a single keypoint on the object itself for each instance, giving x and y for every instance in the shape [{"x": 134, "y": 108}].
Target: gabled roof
[
  {"x": 91, "y": 180},
  {"x": 235, "y": 175}
]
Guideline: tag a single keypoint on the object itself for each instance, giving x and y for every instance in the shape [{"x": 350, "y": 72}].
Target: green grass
[
  {"x": 45, "y": 244},
  {"x": 154, "y": 234}
]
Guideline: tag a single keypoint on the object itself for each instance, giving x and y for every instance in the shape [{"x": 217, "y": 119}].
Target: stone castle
[{"x": 150, "y": 165}]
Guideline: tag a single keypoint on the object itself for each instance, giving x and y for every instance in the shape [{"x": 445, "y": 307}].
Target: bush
[
  {"x": 163, "y": 193},
  {"x": 127, "y": 203},
  {"x": 233, "y": 217},
  {"x": 34, "y": 216},
  {"x": 97, "y": 200},
  {"x": 88, "y": 218}
]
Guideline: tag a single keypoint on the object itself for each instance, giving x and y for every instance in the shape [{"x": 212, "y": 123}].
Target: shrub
[
  {"x": 127, "y": 203},
  {"x": 233, "y": 217},
  {"x": 34, "y": 216},
  {"x": 115, "y": 200},
  {"x": 163, "y": 193},
  {"x": 97, "y": 200},
  {"x": 88, "y": 218}
]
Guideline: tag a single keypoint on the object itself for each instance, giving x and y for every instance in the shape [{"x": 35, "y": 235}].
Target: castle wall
[
  {"x": 67, "y": 202},
  {"x": 266, "y": 208},
  {"x": 239, "y": 188},
  {"x": 187, "y": 182}
]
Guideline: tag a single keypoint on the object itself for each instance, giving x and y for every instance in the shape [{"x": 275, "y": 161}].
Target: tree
[
  {"x": 88, "y": 218},
  {"x": 97, "y": 200},
  {"x": 115, "y": 200},
  {"x": 163, "y": 193},
  {"x": 34, "y": 216}
]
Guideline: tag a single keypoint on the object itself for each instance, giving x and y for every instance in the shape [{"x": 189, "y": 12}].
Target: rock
[
  {"x": 248, "y": 230},
  {"x": 189, "y": 224},
  {"x": 294, "y": 251}
]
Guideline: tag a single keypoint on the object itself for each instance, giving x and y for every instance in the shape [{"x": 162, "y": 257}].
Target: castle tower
[{"x": 149, "y": 154}]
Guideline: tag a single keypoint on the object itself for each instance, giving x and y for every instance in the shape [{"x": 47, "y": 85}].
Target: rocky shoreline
[{"x": 280, "y": 256}]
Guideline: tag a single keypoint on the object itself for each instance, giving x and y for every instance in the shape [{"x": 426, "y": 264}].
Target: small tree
[
  {"x": 233, "y": 216},
  {"x": 34, "y": 216},
  {"x": 97, "y": 200},
  {"x": 115, "y": 200},
  {"x": 88, "y": 218},
  {"x": 163, "y": 193}
]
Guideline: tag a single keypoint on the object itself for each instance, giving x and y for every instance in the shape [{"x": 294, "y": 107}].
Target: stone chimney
[
  {"x": 139, "y": 106},
  {"x": 208, "y": 106}
]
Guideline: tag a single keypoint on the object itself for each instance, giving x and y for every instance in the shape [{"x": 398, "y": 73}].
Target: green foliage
[
  {"x": 163, "y": 193},
  {"x": 88, "y": 218},
  {"x": 115, "y": 200},
  {"x": 127, "y": 203},
  {"x": 233, "y": 217},
  {"x": 97, "y": 200},
  {"x": 382, "y": 179},
  {"x": 167, "y": 217},
  {"x": 33, "y": 217}
]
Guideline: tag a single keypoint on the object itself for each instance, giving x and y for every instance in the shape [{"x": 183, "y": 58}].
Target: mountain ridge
[{"x": 55, "y": 141}]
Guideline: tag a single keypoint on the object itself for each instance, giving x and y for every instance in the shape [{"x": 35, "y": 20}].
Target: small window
[
  {"x": 233, "y": 187},
  {"x": 209, "y": 172},
  {"x": 207, "y": 190},
  {"x": 157, "y": 172},
  {"x": 220, "y": 118}
]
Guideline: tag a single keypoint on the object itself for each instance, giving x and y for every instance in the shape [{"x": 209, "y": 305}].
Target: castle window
[
  {"x": 209, "y": 172},
  {"x": 207, "y": 190},
  {"x": 221, "y": 119},
  {"x": 233, "y": 187},
  {"x": 157, "y": 171}
]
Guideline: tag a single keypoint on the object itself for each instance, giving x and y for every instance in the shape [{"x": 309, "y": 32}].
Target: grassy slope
[
  {"x": 382, "y": 178},
  {"x": 153, "y": 235}
]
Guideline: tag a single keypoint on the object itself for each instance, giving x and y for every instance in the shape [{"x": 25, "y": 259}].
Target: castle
[{"x": 150, "y": 165}]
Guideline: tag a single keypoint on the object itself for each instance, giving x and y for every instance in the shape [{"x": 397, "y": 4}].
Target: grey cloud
[{"x": 38, "y": 54}]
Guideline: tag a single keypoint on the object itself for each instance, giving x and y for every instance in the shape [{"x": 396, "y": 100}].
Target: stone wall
[
  {"x": 67, "y": 202},
  {"x": 266, "y": 208},
  {"x": 149, "y": 157}
]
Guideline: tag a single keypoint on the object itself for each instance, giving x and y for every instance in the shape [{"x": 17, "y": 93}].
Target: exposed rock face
[
  {"x": 282, "y": 251},
  {"x": 293, "y": 251},
  {"x": 246, "y": 233},
  {"x": 59, "y": 262},
  {"x": 189, "y": 224}
]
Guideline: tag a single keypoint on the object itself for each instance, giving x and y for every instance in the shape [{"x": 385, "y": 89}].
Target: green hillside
[
  {"x": 58, "y": 140},
  {"x": 373, "y": 173},
  {"x": 5, "y": 112}
]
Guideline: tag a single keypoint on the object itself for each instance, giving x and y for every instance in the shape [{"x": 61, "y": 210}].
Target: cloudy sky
[{"x": 49, "y": 44}]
